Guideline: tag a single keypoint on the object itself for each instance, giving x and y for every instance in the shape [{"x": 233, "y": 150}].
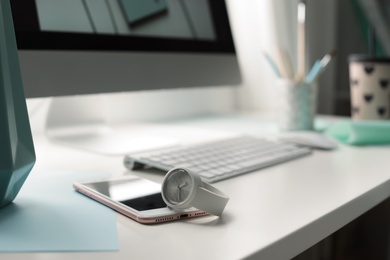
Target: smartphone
[{"x": 136, "y": 198}]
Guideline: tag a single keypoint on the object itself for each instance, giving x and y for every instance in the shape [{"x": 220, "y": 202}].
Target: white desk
[{"x": 274, "y": 213}]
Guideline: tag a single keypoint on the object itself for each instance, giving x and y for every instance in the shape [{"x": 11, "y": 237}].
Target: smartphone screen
[
  {"x": 137, "y": 198},
  {"x": 139, "y": 194}
]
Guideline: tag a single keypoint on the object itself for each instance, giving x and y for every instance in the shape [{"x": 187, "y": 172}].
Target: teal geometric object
[{"x": 17, "y": 156}]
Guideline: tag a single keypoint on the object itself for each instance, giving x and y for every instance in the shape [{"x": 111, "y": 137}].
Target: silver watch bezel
[{"x": 186, "y": 203}]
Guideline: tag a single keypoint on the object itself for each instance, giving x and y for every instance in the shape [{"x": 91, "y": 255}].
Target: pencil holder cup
[
  {"x": 370, "y": 87},
  {"x": 296, "y": 106}
]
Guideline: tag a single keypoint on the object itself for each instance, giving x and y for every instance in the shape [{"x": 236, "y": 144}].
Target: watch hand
[
  {"x": 179, "y": 189},
  {"x": 182, "y": 185}
]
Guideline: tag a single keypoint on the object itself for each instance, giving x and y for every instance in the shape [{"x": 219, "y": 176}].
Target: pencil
[
  {"x": 272, "y": 64},
  {"x": 301, "y": 41},
  {"x": 284, "y": 63},
  {"x": 319, "y": 66}
]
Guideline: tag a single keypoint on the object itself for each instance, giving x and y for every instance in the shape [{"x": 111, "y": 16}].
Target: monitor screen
[{"x": 78, "y": 47}]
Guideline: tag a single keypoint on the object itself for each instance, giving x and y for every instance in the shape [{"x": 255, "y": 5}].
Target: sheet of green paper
[
  {"x": 48, "y": 215},
  {"x": 361, "y": 132}
]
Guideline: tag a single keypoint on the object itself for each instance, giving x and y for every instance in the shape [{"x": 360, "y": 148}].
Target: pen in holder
[{"x": 297, "y": 103}]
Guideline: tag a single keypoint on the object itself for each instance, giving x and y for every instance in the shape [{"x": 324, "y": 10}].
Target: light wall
[{"x": 254, "y": 32}]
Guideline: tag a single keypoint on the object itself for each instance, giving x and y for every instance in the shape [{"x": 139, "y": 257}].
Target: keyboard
[{"x": 218, "y": 160}]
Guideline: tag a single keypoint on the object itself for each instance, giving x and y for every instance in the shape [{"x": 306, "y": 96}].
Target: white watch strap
[{"x": 210, "y": 199}]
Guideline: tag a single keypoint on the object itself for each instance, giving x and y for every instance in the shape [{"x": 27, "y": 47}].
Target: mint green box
[{"x": 17, "y": 155}]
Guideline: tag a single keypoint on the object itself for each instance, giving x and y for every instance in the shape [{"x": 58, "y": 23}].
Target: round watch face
[{"x": 177, "y": 186}]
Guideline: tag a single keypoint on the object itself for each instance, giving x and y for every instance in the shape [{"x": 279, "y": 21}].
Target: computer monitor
[{"x": 77, "y": 47}]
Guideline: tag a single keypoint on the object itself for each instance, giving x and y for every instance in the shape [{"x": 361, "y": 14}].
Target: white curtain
[{"x": 259, "y": 25}]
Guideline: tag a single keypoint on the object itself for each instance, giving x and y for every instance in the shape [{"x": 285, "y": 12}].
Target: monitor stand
[{"x": 81, "y": 122}]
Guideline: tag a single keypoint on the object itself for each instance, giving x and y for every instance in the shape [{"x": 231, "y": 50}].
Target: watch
[{"x": 182, "y": 189}]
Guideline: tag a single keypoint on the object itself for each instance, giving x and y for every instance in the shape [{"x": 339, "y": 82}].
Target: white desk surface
[{"x": 274, "y": 213}]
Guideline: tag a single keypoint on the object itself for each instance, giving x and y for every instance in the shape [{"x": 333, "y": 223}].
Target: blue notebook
[{"x": 362, "y": 132}]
